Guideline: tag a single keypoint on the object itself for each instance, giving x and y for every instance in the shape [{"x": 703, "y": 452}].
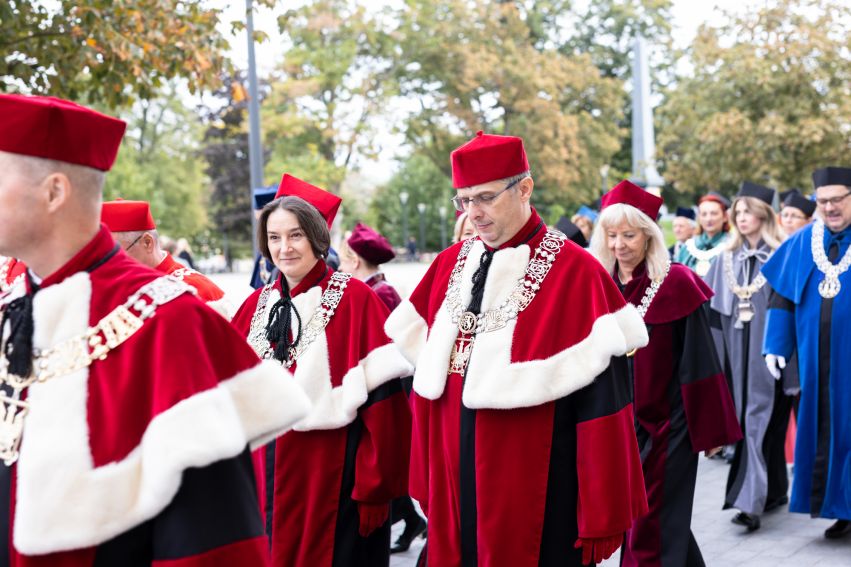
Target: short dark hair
[{"x": 309, "y": 220}]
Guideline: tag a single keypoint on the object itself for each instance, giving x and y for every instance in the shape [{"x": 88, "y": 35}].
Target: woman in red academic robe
[
  {"x": 682, "y": 402},
  {"x": 329, "y": 483}
]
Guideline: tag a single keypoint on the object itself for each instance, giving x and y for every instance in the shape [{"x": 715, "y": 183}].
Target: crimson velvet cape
[
  {"x": 535, "y": 446},
  {"x": 353, "y": 447},
  {"x": 141, "y": 458},
  {"x": 682, "y": 406},
  {"x": 11, "y": 272}
]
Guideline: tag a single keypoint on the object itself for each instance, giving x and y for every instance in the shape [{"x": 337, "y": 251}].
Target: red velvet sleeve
[
  {"x": 608, "y": 466},
  {"x": 418, "y": 485},
  {"x": 381, "y": 464}
]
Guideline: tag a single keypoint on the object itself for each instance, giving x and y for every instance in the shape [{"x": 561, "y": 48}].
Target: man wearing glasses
[
  {"x": 809, "y": 311},
  {"x": 523, "y": 449}
]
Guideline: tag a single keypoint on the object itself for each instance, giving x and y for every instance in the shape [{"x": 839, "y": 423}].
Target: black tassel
[
  {"x": 278, "y": 327},
  {"x": 480, "y": 276},
  {"x": 18, "y": 348}
]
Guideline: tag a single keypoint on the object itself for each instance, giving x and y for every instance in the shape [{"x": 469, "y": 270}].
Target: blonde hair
[
  {"x": 656, "y": 256},
  {"x": 459, "y": 227},
  {"x": 770, "y": 231}
]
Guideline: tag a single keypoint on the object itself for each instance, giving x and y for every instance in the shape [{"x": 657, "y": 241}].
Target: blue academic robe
[{"x": 799, "y": 317}]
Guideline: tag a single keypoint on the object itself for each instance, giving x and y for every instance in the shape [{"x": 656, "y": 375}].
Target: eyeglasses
[
  {"x": 134, "y": 242},
  {"x": 835, "y": 201},
  {"x": 463, "y": 203}
]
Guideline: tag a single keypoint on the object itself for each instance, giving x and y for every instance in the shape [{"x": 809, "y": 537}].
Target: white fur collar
[
  {"x": 493, "y": 381},
  {"x": 64, "y": 502}
]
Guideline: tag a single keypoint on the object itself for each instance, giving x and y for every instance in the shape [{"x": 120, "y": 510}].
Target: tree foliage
[
  {"x": 108, "y": 52},
  {"x": 159, "y": 162},
  {"x": 768, "y": 100}
]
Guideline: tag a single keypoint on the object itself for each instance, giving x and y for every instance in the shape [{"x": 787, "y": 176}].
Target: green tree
[
  {"x": 424, "y": 183},
  {"x": 108, "y": 52},
  {"x": 158, "y": 162},
  {"x": 767, "y": 99},
  {"x": 331, "y": 84},
  {"x": 478, "y": 66}
]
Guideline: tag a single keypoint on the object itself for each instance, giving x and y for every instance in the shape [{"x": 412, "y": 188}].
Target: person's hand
[
  {"x": 372, "y": 517},
  {"x": 712, "y": 452},
  {"x": 775, "y": 364},
  {"x": 598, "y": 549}
]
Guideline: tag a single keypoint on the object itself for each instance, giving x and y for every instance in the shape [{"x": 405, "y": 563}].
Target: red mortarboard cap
[
  {"x": 488, "y": 158},
  {"x": 370, "y": 245},
  {"x": 127, "y": 216},
  {"x": 53, "y": 128},
  {"x": 326, "y": 202},
  {"x": 631, "y": 194}
]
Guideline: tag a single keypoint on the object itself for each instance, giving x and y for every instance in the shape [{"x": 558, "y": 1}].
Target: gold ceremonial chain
[
  {"x": 704, "y": 257},
  {"x": 648, "y": 296},
  {"x": 829, "y": 286},
  {"x": 331, "y": 298},
  {"x": 519, "y": 299},
  {"x": 76, "y": 354},
  {"x": 744, "y": 293}
]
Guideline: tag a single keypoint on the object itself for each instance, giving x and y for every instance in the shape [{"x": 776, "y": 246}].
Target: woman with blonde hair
[
  {"x": 464, "y": 228},
  {"x": 757, "y": 481},
  {"x": 682, "y": 402}
]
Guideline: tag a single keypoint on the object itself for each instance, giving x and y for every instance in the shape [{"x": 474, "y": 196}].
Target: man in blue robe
[{"x": 810, "y": 311}]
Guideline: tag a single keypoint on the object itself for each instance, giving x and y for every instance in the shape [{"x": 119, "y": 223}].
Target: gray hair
[{"x": 656, "y": 256}]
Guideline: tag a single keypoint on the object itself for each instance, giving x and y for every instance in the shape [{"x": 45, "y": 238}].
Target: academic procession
[{"x": 543, "y": 396}]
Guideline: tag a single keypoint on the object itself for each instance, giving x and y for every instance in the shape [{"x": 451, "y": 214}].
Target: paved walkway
[{"x": 785, "y": 540}]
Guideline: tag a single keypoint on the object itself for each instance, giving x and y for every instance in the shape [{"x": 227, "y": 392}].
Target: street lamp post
[
  {"x": 255, "y": 151},
  {"x": 421, "y": 208},
  {"x": 403, "y": 197},
  {"x": 442, "y": 211}
]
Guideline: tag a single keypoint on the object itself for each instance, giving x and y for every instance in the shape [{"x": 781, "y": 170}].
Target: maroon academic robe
[
  {"x": 535, "y": 446},
  {"x": 140, "y": 458},
  {"x": 682, "y": 407},
  {"x": 353, "y": 446},
  {"x": 385, "y": 292}
]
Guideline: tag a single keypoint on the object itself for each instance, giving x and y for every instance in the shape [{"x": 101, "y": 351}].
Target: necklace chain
[
  {"x": 830, "y": 286},
  {"x": 519, "y": 298}
]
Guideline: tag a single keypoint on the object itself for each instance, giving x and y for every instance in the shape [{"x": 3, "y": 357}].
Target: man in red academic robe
[
  {"x": 132, "y": 444},
  {"x": 523, "y": 452},
  {"x": 133, "y": 227}
]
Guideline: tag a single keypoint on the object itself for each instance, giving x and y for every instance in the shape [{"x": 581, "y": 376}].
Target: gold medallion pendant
[
  {"x": 746, "y": 312},
  {"x": 702, "y": 267},
  {"x": 829, "y": 287}
]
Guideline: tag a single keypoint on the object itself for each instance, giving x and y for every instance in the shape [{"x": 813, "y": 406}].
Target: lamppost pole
[
  {"x": 255, "y": 152},
  {"x": 403, "y": 197},
  {"x": 442, "y": 211},
  {"x": 421, "y": 208}
]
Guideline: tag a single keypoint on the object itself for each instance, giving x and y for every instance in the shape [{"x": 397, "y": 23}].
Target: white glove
[{"x": 775, "y": 364}]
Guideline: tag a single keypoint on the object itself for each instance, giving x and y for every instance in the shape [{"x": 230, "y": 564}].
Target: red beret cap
[
  {"x": 326, "y": 202},
  {"x": 488, "y": 158},
  {"x": 370, "y": 245},
  {"x": 127, "y": 216},
  {"x": 52, "y": 128},
  {"x": 631, "y": 194}
]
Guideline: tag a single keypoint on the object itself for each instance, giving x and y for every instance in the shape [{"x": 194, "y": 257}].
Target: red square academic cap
[
  {"x": 631, "y": 194},
  {"x": 127, "y": 216},
  {"x": 57, "y": 129},
  {"x": 326, "y": 202},
  {"x": 488, "y": 158}
]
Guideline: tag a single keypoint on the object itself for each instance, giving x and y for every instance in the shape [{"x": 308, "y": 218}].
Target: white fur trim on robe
[
  {"x": 493, "y": 381},
  {"x": 335, "y": 407},
  {"x": 64, "y": 502}
]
